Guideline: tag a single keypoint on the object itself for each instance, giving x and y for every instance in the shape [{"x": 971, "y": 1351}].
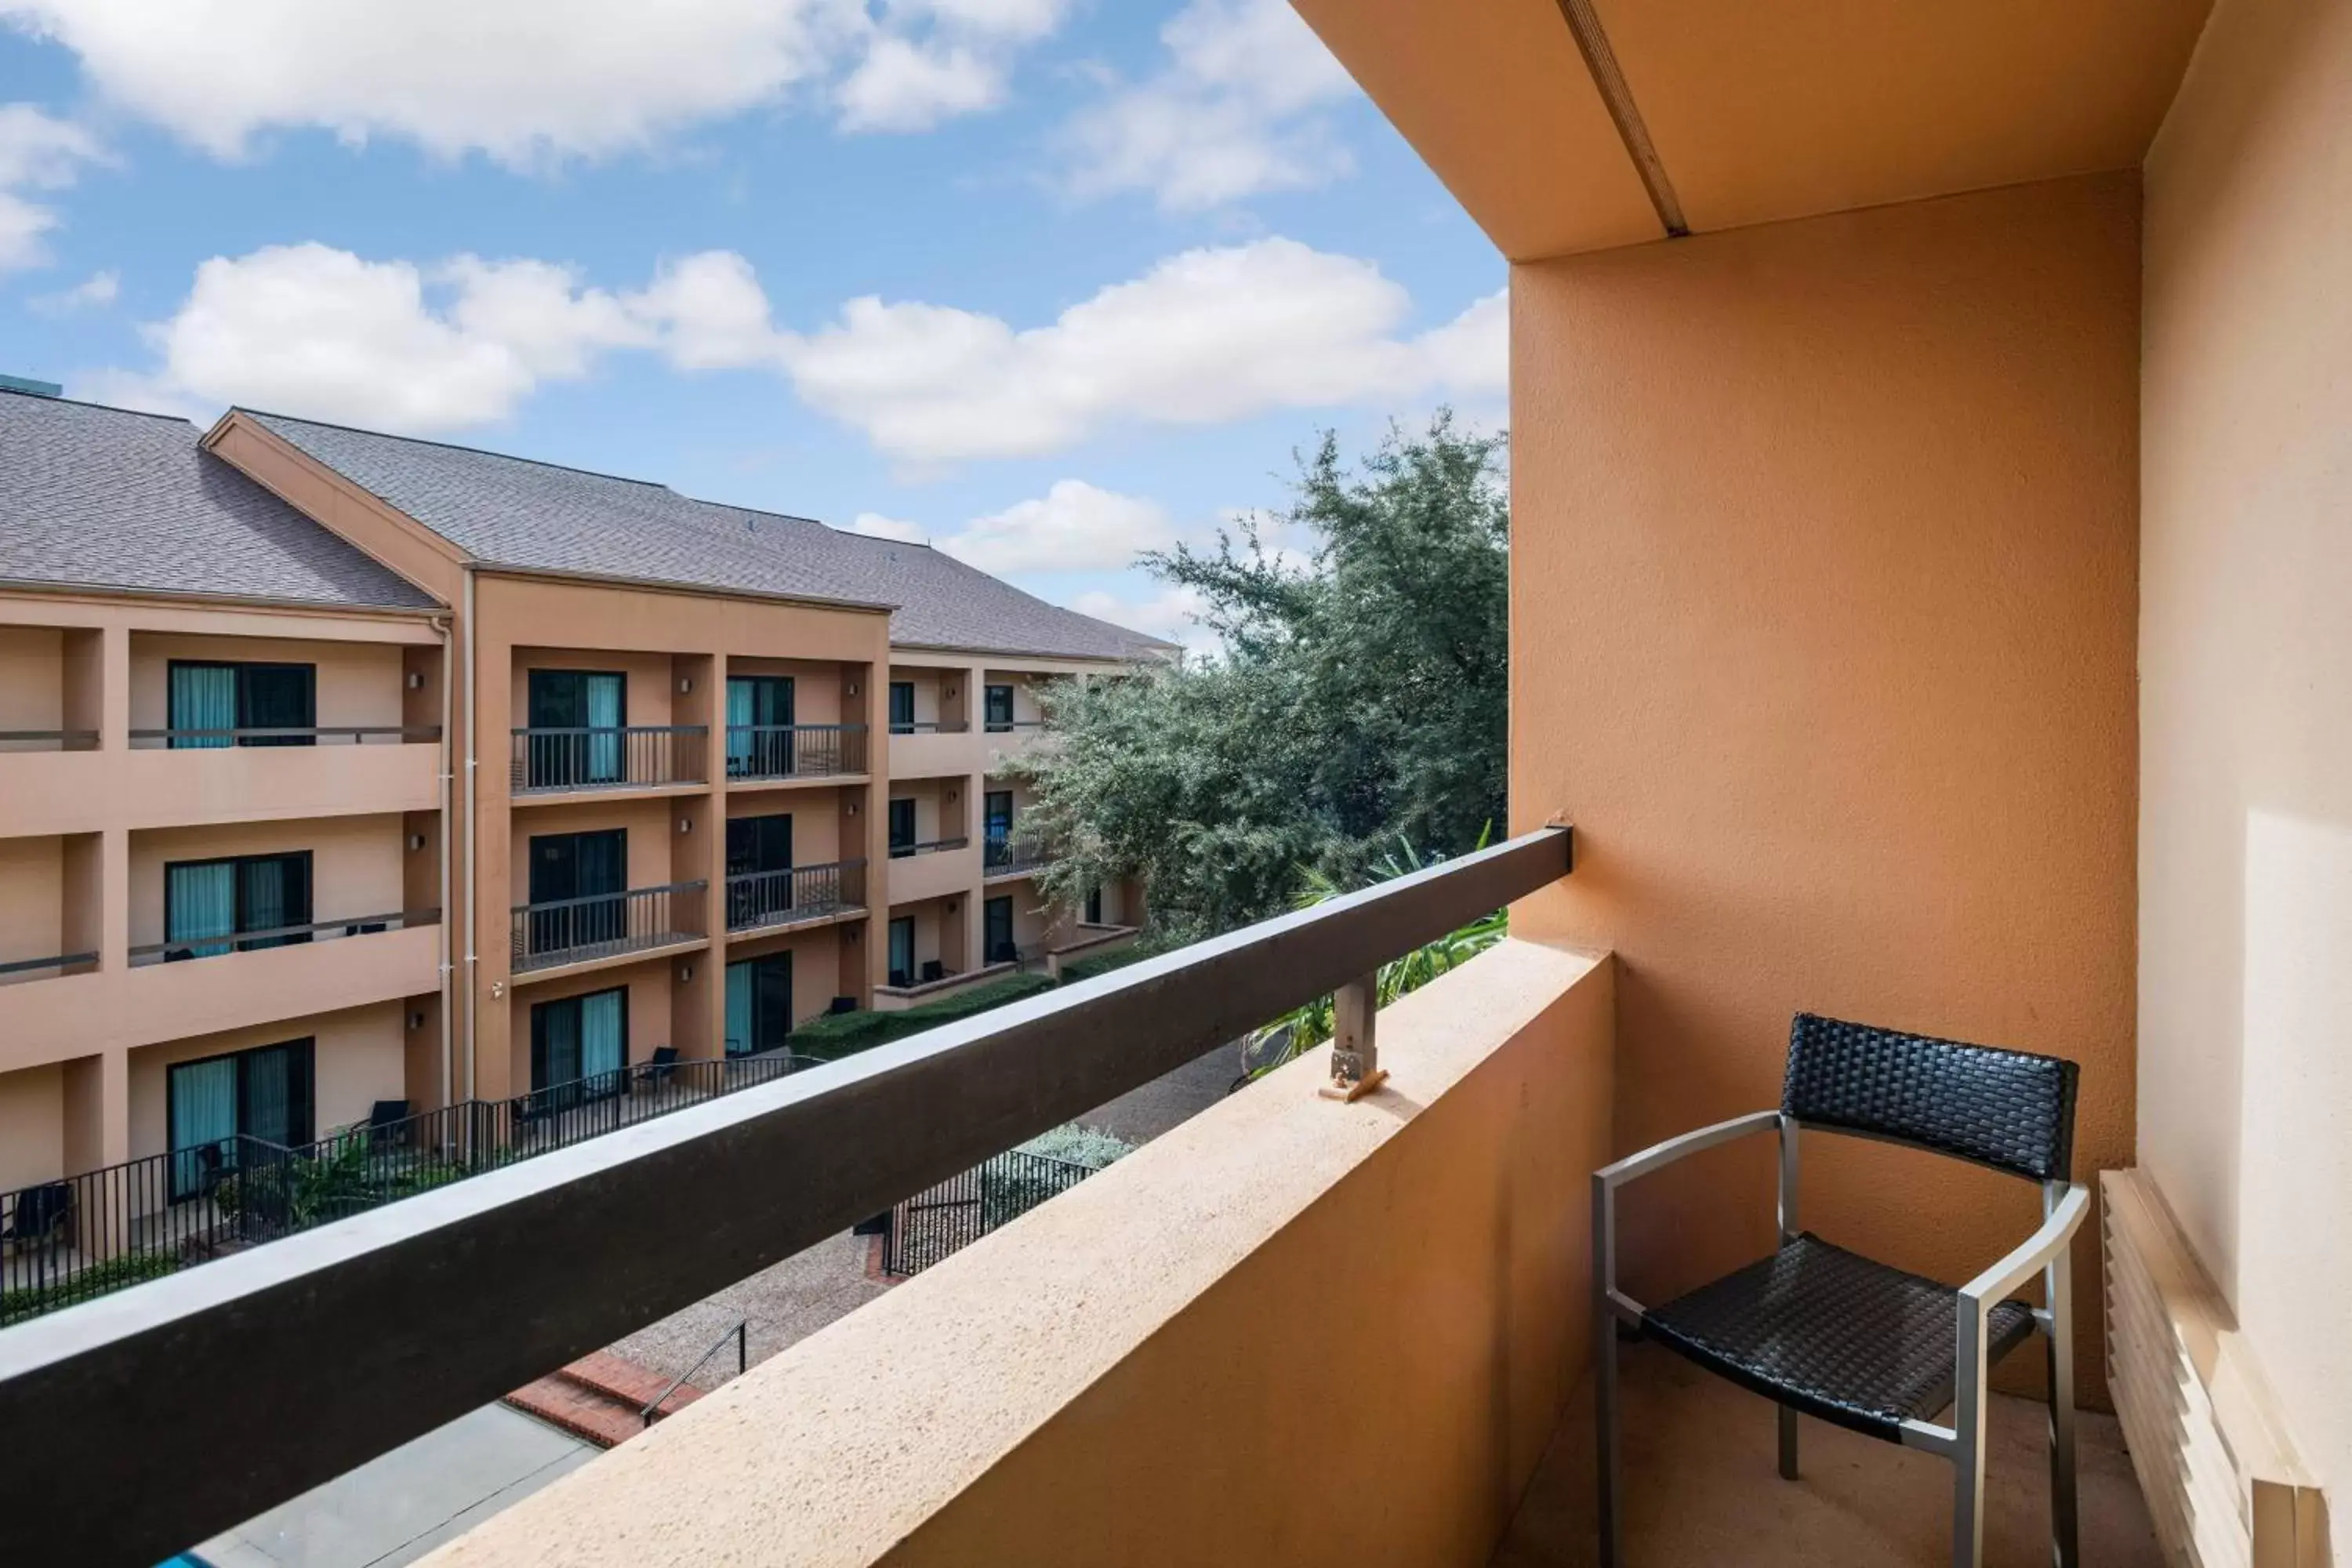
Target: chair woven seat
[{"x": 1831, "y": 1333}]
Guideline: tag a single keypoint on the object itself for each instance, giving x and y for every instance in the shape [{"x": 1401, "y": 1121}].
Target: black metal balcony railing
[
  {"x": 758, "y": 899},
  {"x": 794, "y": 751},
  {"x": 635, "y": 756},
  {"x": 603, "y": 925},
  {"x": 48, "y": 740},
  {"x": 79, "y": 1237},
  {"x": 16, "y": 969},
  {"x": 946, "y": 1218},
  {"x": 305, "y": 735},
  {"x": 279, "y": 936},
  {"x": 902, "y": 850},
  {"x": 928, "y": 726},
  {"x": 1006, "y": 726},
  {"x": 1005, "y": 856},
  {"x": 228, "y": 1359}
]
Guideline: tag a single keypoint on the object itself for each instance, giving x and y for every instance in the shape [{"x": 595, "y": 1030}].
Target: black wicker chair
[{"x": 1825, "y": 1331}]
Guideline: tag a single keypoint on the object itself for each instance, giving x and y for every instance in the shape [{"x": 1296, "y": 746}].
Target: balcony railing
[
  {"x": 930, "y": 727},
  {"x": 490, "y": 1282},
  {"x": 756, "y": 900},
  {"x": 1005, "y": 856},
  {"x": 943, "y": 1220},
  {"x": 306, "y": 736},
  {"x": 278, "y": 936},
  {"x": 603, "y": 925},
  {"x": 900, "y": 851},
  {"x": 794, "y": 751},
  {"x": 79, "y": 1237},
  {"x": 636, "y": 756},
  {"x": 48, "y": 740},
  {"x": 1007, "y": 726},
  {"x": 16, "y": 969}
]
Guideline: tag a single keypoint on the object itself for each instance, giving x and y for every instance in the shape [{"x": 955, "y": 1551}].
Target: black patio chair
[
  {"x": 658, "y": 1067},
  {"x": 385, "y": 1124},
  {"x": 39, "y": 1217},
  {"x": 1828, "y": 1332}
]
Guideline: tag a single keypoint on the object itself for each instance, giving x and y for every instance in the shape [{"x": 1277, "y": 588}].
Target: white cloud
[
  {"x": 1204, "y": 337},
  {"x": 1236, "y": 111},
  {"x": 905, "y": 86},
  {"x": 874, "y": 525},
  {"x": 37, "y": 152},
  {"x": 1074, "y": 527},
  {"x": 522, "y": 81},
  {"x": 1170, "y": 613},
  {"x": 95, "y": 292}
]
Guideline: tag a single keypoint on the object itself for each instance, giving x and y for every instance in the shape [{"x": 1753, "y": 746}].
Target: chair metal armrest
[
  {"x": 1608, "y": 1178},
  {"x": 1995, "y": 1283}
]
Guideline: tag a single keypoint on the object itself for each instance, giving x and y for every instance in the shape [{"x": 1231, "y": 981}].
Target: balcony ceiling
[{"x": 1757, "y": 113}]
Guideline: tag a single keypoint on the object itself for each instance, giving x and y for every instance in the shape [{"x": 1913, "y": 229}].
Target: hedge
[{"x": 836, "y": 1035}]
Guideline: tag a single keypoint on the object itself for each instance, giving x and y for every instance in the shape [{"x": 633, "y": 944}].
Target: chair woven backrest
[{"x": 2008, "y": 1110}]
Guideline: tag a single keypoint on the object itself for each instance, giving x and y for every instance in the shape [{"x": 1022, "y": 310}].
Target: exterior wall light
[{"x": 416, "y": 842}]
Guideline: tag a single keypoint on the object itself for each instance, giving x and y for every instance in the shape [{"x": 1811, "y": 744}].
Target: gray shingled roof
[
  {"x": 92, "y": 496},
  {"x": 513, "y": 511}
]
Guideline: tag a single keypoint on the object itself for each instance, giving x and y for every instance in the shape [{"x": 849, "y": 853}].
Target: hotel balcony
[
  {"x": 576, "y": 759},
  {"x": 803, "y": 895},
  {"x": 565, "y": 935},
  {"x": 779, "y": 755}
]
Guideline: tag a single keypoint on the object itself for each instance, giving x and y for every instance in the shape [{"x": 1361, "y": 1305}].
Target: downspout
[
  {"x": 473, "y": 761},
  {"x": 448, "y": 997}
]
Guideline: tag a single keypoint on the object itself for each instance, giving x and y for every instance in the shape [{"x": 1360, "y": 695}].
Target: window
[
  {"x": 999, "y": 711},
  {"x": 902, "y": 826},
  {"x": 579, "y": 1046},
  {"x": 209, "y": 697},
  {"x": 212, "y": 1105},
  {"x": 578, "y": 886},
  {"x": 996, "y": 818},
  {"x": 228, "y": 896},
  {"x": 759, "y": 1004},
  {"x": 578, "y": 719},
  {"x": 996, "y": 928},
  {"x": 902, "y": 708},
  {"x": 759, "y": 726},
  {"x": 759, "y": 848},
  {"x": 902, "y": 951}
]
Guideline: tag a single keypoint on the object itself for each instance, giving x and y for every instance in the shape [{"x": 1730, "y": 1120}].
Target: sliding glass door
[
  {"x": 902, "y": 951},
  {"x": 759, "y": 1004},
  {"x": 212, "y": 1104},
  {"x": 583, "y": 879},
  {"x": 206, "y": 898},
  {"x": 759, "y": 848},
  {"x": 996, "y": 930},
  {"x": 208, "y": 699},
  {"x": 577, "y": 729},
  {"x": 579, "y": 1048},
  {"x": 759, "y": 726}
]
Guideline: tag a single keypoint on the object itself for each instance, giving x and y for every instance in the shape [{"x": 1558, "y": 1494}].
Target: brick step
[{"x": 599, "y": 1398}]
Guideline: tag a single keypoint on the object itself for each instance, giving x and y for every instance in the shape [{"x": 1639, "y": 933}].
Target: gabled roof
[
  {"x": 524, "y": 514},
  {"x": 99, "y": 498}
]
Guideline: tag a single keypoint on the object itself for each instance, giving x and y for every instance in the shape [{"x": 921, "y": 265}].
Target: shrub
[
  {"x": 1096, "y": 963},
  {"x": 98, "y": 1279},
  {"x": 1078, "y": 1145},
  {"x": 837, "y": 1034}
]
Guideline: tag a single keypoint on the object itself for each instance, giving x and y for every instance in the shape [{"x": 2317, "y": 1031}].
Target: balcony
[
  {"x": 48, "y": 740},
  {"x": 803, "y": 895},
  {"x": 602, "y": 928},
  {"x": 788, "y": 754},
  {"x": 1004, "y": 856},
  {"x": 929, "y": 868},
  {"x": 173, "y": 778},
  {"x": 932, "y": 749},
  {"x": 575, "y": 760}
]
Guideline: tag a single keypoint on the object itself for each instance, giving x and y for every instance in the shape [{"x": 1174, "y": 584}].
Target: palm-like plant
[{"x": 1309, "y": 1025}]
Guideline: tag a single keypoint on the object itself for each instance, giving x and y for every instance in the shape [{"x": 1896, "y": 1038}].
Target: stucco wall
[
  {"x": 1289, "y": 1333},
  {"x": 2245, "y": 977},
  {"x": 32, "y": 1125},
  {"x": 357, "y": 683},
  {"x": 357, "y": 864},
  {"x": 31, "y": 679},
  {"x": 32, "y": 900},
  {"x": 356, "y": 1060},
  {"x": 1823, "y": 538}
]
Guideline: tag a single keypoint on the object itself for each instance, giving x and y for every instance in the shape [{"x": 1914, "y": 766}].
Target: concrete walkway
[{"x": 399, "y": 1505}]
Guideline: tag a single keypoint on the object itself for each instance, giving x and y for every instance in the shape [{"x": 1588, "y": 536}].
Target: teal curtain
[
  {"x": 738, "y": 722},
  {"x": 739, "y": 1009},
  {"x": 604, "y": 737},
  {"x": 200, "y": 900},
  {"x": 203, "y": 697},
  {"x": 203, "y": 1097},
  {"x": 602, "y": 1032}
]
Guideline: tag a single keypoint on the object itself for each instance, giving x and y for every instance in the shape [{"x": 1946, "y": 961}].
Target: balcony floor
[{"x": 1702, "y": 1486}]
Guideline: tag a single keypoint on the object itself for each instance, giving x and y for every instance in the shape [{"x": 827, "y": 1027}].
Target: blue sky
[{"x": 1039, "y": 281}]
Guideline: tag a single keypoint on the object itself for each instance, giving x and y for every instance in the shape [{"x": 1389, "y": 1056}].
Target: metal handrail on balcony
[
  {"x": 279, "y": 936},
  {"x": 794, "y": 751},
  {"x": 1004, "y": 855},
  {"x": 1005, "y": 726},
  {"x": 760, "y": 898},
  {"x": 431, "y": 1306},
  {"x": 284, "y": 735},
  {"x": 18, "y": 969},
  {"x": 631, "y": 756},
  {"x": 926, "y": 847},
  {"x": 929, "y": 726},
  {"x": 48, "y": 740},
  {"x": 600, "y": 925}
]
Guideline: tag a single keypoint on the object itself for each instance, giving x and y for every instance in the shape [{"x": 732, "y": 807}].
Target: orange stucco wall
[
  {"x": 1822, "y": 631},
  {"x": 2246, "y": 977}
]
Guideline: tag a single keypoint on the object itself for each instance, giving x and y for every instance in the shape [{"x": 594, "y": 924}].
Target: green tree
[{"x": 1359, "y": 696}]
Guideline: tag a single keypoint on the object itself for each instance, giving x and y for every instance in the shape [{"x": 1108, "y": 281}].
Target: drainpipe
[
  {"x": 449, "y": 996},
  {"x": 473, "y": 761}
]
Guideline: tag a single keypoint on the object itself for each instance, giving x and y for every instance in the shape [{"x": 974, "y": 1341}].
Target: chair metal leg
[
  {"x": 1788, "y": 1444},
  {"x": 1968, "y": 1453},
  {"x": 2059, "y": 1284}
]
